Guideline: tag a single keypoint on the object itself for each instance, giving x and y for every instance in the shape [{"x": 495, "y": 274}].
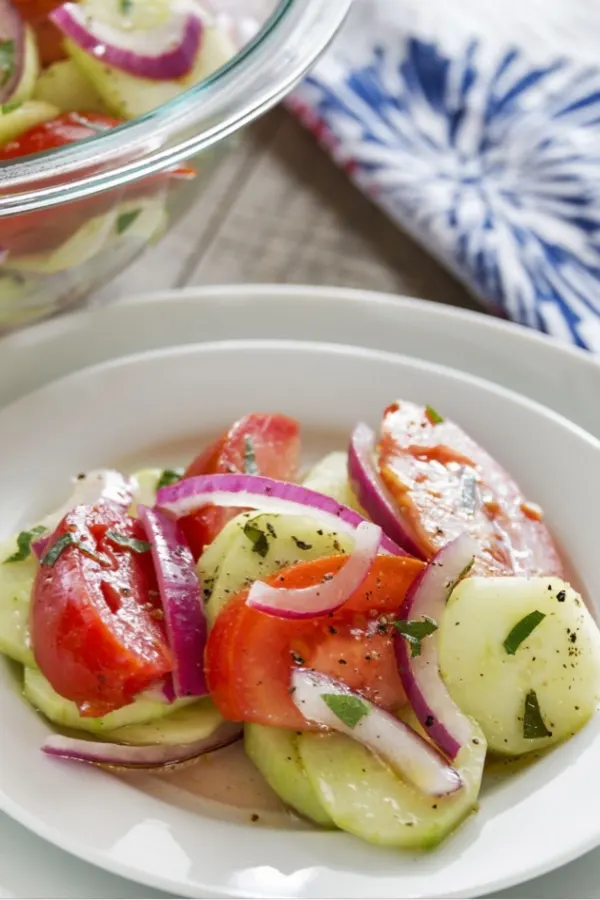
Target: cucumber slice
[
  {"x": 185, "y": 725},
  {"x": 16, "y": 120},
  {"x": 274, "y": 752},
  {"x": 144, "y": 488},
  {"x": 559, "y": 660},
  {"x": 40, "y": 693},
  {"x": 16, "y": 581},
  {"x": 31, "y": 69},
  {"x": 140, "y": 220},
  {"x": 64, "y": 85},
  {"x": 330, "y": 477},
  {"x": 86, "y": 243},
  {"x": 136, "y": 15},
  {"x": 289, "y": 539},
  {"x": 128, "y": 96},
  {"x": 364, "y": 797}
]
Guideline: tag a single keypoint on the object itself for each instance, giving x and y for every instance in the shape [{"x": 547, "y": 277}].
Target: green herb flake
[
  {"x": 126, "y": 220},
  {"x": 414, "y": 631},
  {"x": 260, "y": 544},
  {"x": 250, "y": 466},
  {"x": 465, "y": 571},
  {"x": 126, "y": 6},
  {"x": 52, "y": 553},
  {"x": 533, "y": 724},
  {"x": 433, "y": 416},
  {"x": 10, "y": 107},
  {"x": 24, "y": 541},
  {"x": 124, "y": 540},
  {"x": 349, "y": 710},
  {"x": 169, "y": 477},
  {"x": 7, "y": 61},
  {"x": 522, "y": 630}
]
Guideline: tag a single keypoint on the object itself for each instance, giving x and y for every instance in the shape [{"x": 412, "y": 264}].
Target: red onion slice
[
  {"x": 370, "y": 490},
  {"x": 163, "y": 692},
  {"x": 181, "y": 599},
  {"x": 148, "y": 757},
  {"x": 266, "y": 494},
  {"x": 162, "y": 53},
  {"x": 97, "y": 486},
  {"x": 406, "y": 752},
  {"x": 320, "y": 599},
  {"x": 437, "y": 712},
  {"x": 12, "y": 42}
]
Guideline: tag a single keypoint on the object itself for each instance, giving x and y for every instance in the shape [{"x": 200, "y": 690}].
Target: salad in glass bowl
[
  {"x": 105, "y": 107},
  {"x": 374, "y": 633}
]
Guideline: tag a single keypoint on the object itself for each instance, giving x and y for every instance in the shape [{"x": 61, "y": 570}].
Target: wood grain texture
[{"x": 278, "y": 210}]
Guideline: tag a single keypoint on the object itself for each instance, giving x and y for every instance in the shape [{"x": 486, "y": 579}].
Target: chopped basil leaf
[
  {"x": 250, "y": 467},
  {"x": 169, "y": 477},
  {"x": 97, "y": 557},
  {"x": 522, "y": 630},
  {"x": 258, "y": 538},
  {"x": 53, "y": 552},
  {"x": 414, "y": 631},
  {"x": 433, "y": 416},
  {"x": 124, "y": 540},
  {"x": 533, "y": 724},
  {"x": 349, "y": 710},
  {"x": 466, "y": 570},
  {"x": 10, "y": 107},
  {"x": 126, "y": 6},
  {"x": 127, "y": 219},
  {"x": 7, "y": 61},
  {"x": 452, "y": 584},
  {"x": 24, "y": 541}
]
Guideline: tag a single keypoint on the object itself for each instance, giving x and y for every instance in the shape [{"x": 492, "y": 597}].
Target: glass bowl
[{"x": 85, "y": 211}]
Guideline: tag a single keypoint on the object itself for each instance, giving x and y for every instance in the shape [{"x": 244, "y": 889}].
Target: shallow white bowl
[{"x": 529, "y": 824}]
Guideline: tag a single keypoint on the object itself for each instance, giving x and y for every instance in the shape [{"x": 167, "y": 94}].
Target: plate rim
[
  {"x": 271, "y": 292},
  {"x": 135, "y": 874}
]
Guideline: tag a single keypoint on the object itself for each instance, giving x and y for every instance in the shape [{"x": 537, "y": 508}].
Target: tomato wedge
[
  {"x": 95, "y": 620},
  {"x": 259, "y": 444},
  {"x": 64, "y": 129},
  {"x": 45, "y": 230},
  {"x": 444, "y": 483},
  {"x": 250, "y": 654},
  {"x": 36, "y": 10}
]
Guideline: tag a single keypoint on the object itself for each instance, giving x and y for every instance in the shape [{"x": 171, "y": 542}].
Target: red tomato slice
[
  {"x": 259, "y": 444},
  {"x": 250, "y": 654},
  {"x": 95, "y": 620},
  {"x": 444, "y": 483},
  {"x": 50, "y": 42},
  {"x": 45, "y": 230},
  {"x": 65, "y": 129},
  {"x": 36, "y": 10}
]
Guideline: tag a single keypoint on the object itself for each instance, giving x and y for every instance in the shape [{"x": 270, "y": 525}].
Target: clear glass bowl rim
[{"x": 258, "y": 77}]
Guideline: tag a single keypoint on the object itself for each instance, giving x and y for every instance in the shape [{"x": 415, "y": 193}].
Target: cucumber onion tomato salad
[
  {"x": 69, "y": 71},
  {"x": 373, "y": 632}
]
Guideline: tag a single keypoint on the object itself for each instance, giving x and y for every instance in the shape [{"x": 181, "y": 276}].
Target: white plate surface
[
  {"x": 562, "y": 378},
  {"x": 537, "y": 820}
]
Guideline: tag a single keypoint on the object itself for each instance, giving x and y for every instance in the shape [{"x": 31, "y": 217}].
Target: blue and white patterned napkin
[{"x": 478, "y": 132}]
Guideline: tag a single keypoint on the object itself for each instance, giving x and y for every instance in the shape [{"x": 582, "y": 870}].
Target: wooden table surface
[{"x": 278, "y": 210}]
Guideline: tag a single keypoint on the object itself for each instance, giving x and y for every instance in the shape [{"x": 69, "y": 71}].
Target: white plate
[
  {"x": 564, "y": 378},
  {"x": 543, "y": 817}
]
